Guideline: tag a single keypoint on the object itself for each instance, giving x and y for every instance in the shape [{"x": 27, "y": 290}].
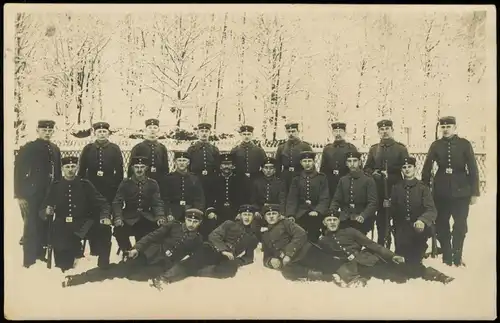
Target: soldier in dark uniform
[
  {"x": 268, "y": 188},
  {"x": 247, "y": 156},
  {"x": 37, "y": 164},
  {"x": 157, "y": 153},
  {"x": 363, "y": 258},
  {"x": 355, "y": 197},
  {"x": 184, "y": 189},
  {"x": 74, "y": 201},
  {"x": 153, "y": 254},
  {"x": 101, "y": 162},
  {"x": 334, "y": 156},
  {"x": 287, "y": 249},
  {"x": 229, "y": 247},
  {"x": 384, "y": 161},
  {"x": 230, "y": 191},
  {"x": 456, "y": 186},
  {"x": 144, "y": 209},
  {"x": 308, "y": 198},
  {"x": 288, "y": 155},
  {"x": 205, "y": 161}
]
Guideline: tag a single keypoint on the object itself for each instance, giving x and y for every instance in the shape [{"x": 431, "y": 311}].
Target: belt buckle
[
  {"x": 168, "y": 253},
  {"x": 204, "y": 172},
  {"x": 352, "y": 205},
  {"x": 227, "y": 204},
  {"x": 291, "y": 169},
  {"x": 335, "y": 172},
  {"x": 69, "y": 219},
  {"x": 153, "y": 169},
  {"x": 100, "y": 173},
  {"x": 308, "y": 202},
  {"x": 139, "y": 209},
  {"x": 449, "y": 170},
  {"x": 247, "y": 174},
  {"x": 350, "y": 258},
  {"x": 182, "y": 202}
]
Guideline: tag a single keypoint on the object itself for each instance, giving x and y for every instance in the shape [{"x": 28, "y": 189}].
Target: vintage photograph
[{"x": 261, "y": 161}]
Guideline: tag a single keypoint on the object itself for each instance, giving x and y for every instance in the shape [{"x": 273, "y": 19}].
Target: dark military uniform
[
  {"x": 37, "y": 163},
  {"x": 333, "y": 160},
  {"x": 158, "y": 251},
  {"x": 387, "y": 153},
  {"x": 75, "y": 203},
  {"x": 268, "y": 190},
  {"x": 184, "y": 191},
  {"x": 356, "y": 194},
  {"x": 248, "y": 157},
  {"x": 456, "y": 180},
  {"x": 143, "y": 208},
  {"x": 308, "y": 192},
  {"x": 285, "y": 238}
]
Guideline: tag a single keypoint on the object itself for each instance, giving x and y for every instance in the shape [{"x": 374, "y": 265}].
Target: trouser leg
[
  {"x": 318, "y": 260},
  {"x": 460, "y": 213},
  {"x": 143, "y": 228},
  {"x": 99, "y": 238},
  {"x": 443, "y": 206},
  {"x": 224, "y": 269},
  {"x": 122, "y": 235}
]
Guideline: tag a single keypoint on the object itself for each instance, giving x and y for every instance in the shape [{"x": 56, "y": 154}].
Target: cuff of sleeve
[{"x": 426, "y": 221}]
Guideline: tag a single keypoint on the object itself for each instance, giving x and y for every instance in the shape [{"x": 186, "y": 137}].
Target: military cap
[
  {"x": 447, "y": 120},
  {"x": 100, "y": 125},
  {"x": 353, "y": 154},
  {"x": 247, "y": 208},
  {"x": 181, "y": 154},
  {"x": 48, "y": 124},
  {"x": 140, "y": 160},
  {"x": 269, "y": 160},
  {"x": 339, "y": 125},
  {"x": 331, "y": 214},
  {"x": 246, "y": 128},
  {"x": 270, "y": 207},
  {"x": 226, "y": 158},
  {"x": 69, "y": 160},
  {"x": 410, "y": 161},
  {"x": 204, "y": 125},
  {"x": 292, "y": 125},
  {"x": 307, "y": 154},
  {"x": 152, "y": 122},
  {"x": 384, "y": 123},
  {"x": 194, "y": 214}
]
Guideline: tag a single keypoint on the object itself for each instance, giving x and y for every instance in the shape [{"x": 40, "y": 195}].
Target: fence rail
[{"x": 270, "y": 151}]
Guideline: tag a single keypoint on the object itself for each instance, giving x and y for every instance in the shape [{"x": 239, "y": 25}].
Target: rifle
[
  {"x": 49, "y": 241},
  {"x": 434, "y": 251},
  {"x": 388, "y": 229}
]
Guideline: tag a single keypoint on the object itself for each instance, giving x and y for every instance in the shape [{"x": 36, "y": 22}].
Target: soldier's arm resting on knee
[{"x": 216, "y": 237}]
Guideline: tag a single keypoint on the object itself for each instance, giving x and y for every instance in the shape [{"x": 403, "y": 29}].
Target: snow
[{"x": 257, "y": 292}]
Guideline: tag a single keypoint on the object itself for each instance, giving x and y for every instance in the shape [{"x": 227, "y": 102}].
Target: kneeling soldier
[
  {"x": 74, "y": 200},
  {"x": 287, "y": 249},
  {"x": 355, "y": 196},
  {"x": 363, "y": 258},
  {"x": 308, "y": 198},
  {"x": 153, "y": 254},
  {"x": 143, "y": 211},
  {"x": 229, "y": 246}
]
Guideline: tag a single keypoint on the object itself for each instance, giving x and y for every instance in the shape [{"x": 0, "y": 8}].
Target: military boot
[{"x": 208, "y": 271}]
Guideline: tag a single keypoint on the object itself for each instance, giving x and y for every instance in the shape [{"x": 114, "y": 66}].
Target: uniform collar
[
  {"x": 151, "y": 142},
  {"x": 411, "y": 182},
  {"x": 339, "y": 143},
  {"x": 387, "y": 142},
  {"x": 270, "y": 178},
  {"x": 101, "y": 144},
  {"x": 200, "y": 143},
  {"x": 452, "y": 138},
  {"x": 309, "y": 174},
  {"x": 69, "y": 181},
  {"x": 136, "y": 180},
  {"x": 246, "y": 144},
  {"x": 182, "y": 174},
  {"x": 356, "y": 173},
  {"x": 294, "y": 140}
]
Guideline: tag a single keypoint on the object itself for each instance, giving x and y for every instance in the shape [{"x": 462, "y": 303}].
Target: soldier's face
[
  {"x": 182, "y": 163},
  {"x": 192, "y": 224},
  {"x": 139, "y": 169},
  {"x": 152, "y": 131},
  {"x": 292, "y": 133},
  {"x": 408, "y": 171},
  {"x": 339, "y": 134},
  {"x": 101, "y": 134},
  {"x": 269, "y": 170},
  {"x": 448, "y": 130},
  {"x": 246, "y": 136},
  {"x": 203, "y": 134},
  {"x": 307, "y": 163},
  {"x": 44, "y": 133},
  {"x": 331, "y": 223},
  {"x": 272, "y": 217},
  {"x": 246, "y": 218},
  {"x": 352, "y": 164},
  {"x": 385, "y": 132},
  {"x": 226, "y": 168},
  {"x": 69, "y": 170}
]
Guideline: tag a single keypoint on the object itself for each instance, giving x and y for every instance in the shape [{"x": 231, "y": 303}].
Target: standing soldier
[
  {"x": 205, "y": 161},
  {"x": 37, "y": 164},
  {"x": 333, "y": 159},
  {"x": 184, "y": 189},
  {"x": 384, "y": 163},
  {"x": 288, "y": 155},
  {"x": 247, "y": 156},
  {"x": 456, "y": 186},
  {"x": 355, "y": 197},
  {"x": 157, "y": 154},
  {"x": 143, "y": 211},
  {"x": 73, "y": 201},
  {"x": 101, "y": 162},
  {"x": 308, "y": 198},
  {"x": 268, "y": 188},
  {"x": 231, "y": 190}
]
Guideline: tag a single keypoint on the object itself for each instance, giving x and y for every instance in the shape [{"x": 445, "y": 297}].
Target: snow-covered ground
[{"x": 256, "y": 292}]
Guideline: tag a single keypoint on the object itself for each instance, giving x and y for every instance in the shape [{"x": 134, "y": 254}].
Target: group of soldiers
[{"x": 207, "y": 214}]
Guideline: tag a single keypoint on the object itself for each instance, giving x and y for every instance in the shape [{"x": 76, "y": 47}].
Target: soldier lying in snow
[
  {"x": 153, "y": 254},
  {"x": 230, "y": 246}
]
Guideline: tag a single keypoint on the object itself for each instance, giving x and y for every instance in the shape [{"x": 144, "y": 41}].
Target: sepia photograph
[{"x": 250, "y": 161}]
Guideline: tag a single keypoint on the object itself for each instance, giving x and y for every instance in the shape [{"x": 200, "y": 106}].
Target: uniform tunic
[
  {"x": 288, "y": 159},
  {"x": 268, "y": 190},
  {"x": 205, "y": 163},
  {"x": 333, "y": 162},
  {"x": 184, "y": 191},
  {"x": 247, "y": 159}
]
